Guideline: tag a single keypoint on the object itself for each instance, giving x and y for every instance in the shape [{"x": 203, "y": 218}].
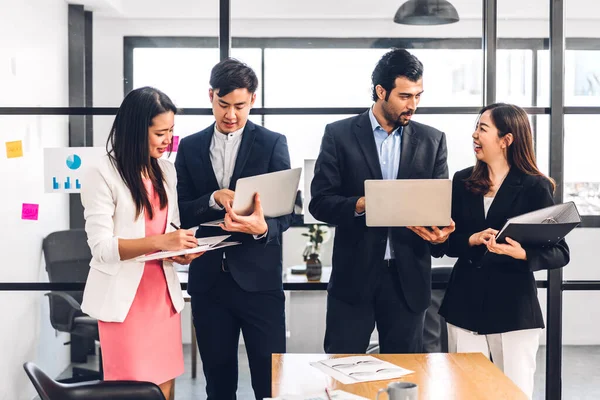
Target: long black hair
[
  {"x": 508, "y": 118},
  {"x": 128, "y": 145}
]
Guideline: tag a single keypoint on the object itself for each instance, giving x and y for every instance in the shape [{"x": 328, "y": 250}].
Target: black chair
[
  {"x": 49, "y": 389},
  {"x": 68, "y": 257},
  {"x": 435, "y": 330}
]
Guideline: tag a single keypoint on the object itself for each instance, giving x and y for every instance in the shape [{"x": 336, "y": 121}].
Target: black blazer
[
  {"x": 255, "y": 264},
  {"x": 491, "y": 293},
  {"x": 348, "y": 157}
]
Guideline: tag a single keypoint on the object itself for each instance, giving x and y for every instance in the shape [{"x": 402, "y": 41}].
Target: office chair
[
  {"x": 67, "y": 257},
  {"x": 435, "y": 330},
  {"x": 49, "y": 389}
]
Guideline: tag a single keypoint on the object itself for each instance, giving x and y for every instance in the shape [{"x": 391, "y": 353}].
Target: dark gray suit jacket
[{"x": 348, "y": 157}]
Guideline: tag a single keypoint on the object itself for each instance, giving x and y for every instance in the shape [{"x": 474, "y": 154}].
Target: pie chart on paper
[{"x": 73, "y": 161}]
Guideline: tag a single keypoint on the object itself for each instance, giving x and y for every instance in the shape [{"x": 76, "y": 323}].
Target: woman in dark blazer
[{"x": 491, "y": 303}]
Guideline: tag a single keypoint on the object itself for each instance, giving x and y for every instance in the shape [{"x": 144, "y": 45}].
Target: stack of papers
[
  {"x": 204, "y": 244},
  {"x": 355, "y": 369},
  {"x": 335, "y": 395}
]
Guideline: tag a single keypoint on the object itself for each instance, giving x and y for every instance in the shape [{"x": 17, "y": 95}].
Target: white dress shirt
[{"x": 224, "y": 149}]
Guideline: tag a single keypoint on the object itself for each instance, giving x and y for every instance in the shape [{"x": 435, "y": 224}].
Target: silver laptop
[
  {"x": 408, "y": 202},
  {"x": 277, "y": 192}
]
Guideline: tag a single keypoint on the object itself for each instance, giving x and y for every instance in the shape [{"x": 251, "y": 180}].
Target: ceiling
[{"x": 318, "y": 9}]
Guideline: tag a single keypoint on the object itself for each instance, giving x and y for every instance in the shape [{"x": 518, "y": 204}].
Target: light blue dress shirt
[{"x": 389, "y": 148}]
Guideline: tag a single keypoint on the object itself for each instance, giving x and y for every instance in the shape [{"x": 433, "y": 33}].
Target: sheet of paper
[
  {"x": 363, "y": 369},
  {"x": 174, "y": 146},
  {"x": 335, "y": 395},
  {"x": 65, "y": 168},
  {"x": 14, "y": 149},
  {"x": 30, "y": 211}
]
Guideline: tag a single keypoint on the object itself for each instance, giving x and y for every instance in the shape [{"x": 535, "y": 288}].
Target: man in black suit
[
  {"x": 239, "y": 288},
  {"x": 380, "y": 275}
]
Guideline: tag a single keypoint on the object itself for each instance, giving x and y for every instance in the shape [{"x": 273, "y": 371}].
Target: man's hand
[
  {"x": 360, "y": 206},
  {"x": 253, "y": 224},
  {"x": 512, "y": 249},
  {"x": 224, "y": 196},
  {"x": 435, "y": 235}
]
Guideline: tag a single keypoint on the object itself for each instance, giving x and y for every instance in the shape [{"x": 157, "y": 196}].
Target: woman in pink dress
[{"x": 130, "y": 202}]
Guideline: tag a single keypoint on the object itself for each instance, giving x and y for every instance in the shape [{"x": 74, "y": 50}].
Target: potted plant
[{"x": 316, "y": 237}]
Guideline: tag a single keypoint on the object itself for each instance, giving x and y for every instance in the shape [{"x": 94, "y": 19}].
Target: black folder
[{"x": 541, "y": 227}]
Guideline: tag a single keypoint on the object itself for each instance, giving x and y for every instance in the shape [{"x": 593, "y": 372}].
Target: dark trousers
[
  {"x": 219, "y": 316},
  {"x": 349, "y": 326}
]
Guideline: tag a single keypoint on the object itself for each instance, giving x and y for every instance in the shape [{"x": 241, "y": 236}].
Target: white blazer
[{"x": 109, "y": 215}]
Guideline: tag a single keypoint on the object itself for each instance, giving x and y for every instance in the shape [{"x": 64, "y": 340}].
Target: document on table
[
  {"x": 355, "y": 369},
  {"x": 335, "y": 395}
]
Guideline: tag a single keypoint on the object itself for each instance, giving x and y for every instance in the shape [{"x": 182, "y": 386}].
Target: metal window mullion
[
  {"x": 490, "y": 45},
  {"x": 224, "y": 29},
  {"x": 555, "y": 276}
]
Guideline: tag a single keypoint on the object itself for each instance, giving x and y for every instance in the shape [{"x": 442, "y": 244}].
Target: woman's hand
[
  {"x": 178, "y": 240},
  {"x": 482, "y": 237},
  {"x": 512, "y": 248},
  {"x": 184, "y": 259}
]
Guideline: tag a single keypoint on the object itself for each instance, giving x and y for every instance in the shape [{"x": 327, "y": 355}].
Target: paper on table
[
  {"x": 338, "y": 376},
  {"x": 204, "y": 244},
  {"x": 361, "y": 369},
  {"x": 335, "y": 395}
]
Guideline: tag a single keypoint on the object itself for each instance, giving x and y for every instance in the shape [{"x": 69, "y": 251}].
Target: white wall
[{"x": 33, "y": 72}]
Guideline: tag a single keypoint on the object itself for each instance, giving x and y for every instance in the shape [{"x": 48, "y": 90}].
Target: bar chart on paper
[{"x": 64, "y": 168}]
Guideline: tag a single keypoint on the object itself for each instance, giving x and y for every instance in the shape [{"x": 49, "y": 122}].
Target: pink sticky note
[
  {"x": 30, "y": 211},
  {"x": 174, "y": 143}
]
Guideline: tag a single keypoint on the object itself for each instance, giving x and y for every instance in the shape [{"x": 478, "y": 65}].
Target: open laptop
[
  {"x": 408, "y": 202},
  {"x": 277, "y": 192}
]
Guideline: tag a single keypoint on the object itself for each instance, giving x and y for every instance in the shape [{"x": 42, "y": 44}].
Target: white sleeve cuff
[
  {"x": 213, "y": 204},
  {"x": 264, "y": 235}
]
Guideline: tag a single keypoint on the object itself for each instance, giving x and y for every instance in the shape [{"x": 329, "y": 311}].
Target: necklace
[{"x": 496, "y": 187}]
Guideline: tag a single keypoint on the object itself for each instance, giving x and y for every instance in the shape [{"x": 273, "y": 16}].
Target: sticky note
[
  {"x": 30, "y": 211},
  {"x": 174, "y": 143},
  {"x": 14, "y": 149}
]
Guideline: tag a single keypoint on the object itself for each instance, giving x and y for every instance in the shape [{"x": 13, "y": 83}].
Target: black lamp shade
[{"x": 426, "y": 12}]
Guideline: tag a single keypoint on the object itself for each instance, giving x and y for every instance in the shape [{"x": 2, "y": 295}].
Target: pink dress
[{"x": 147, "y": 345}]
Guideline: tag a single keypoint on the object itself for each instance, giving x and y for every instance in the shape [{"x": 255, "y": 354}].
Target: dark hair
[
  {"x": 508, "y": 118},
  {"x": 232, "y": 74},
  {"x": 128, "y": 145},
  {"x": 395, "y": 63}
]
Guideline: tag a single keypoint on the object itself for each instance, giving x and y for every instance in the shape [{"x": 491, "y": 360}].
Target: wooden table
[{"x": 444, "y": 376}]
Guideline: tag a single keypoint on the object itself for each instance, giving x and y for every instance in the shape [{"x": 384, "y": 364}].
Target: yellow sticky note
[{"x": 14, "y": 149}]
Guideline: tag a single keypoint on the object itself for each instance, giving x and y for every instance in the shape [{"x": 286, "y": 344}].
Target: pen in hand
[
  {"x": 328, "y": 394},
  {"x": 175, "y": 226}
]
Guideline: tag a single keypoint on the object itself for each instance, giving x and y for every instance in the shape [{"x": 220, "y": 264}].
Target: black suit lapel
[
  {"x": 364, "y": 134},
  {"x": 410, "y": 142},
  {"x": 207, "y": 168},
  {"x": 504, "y": 198},
  {"x": 248, "y": 137}
]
